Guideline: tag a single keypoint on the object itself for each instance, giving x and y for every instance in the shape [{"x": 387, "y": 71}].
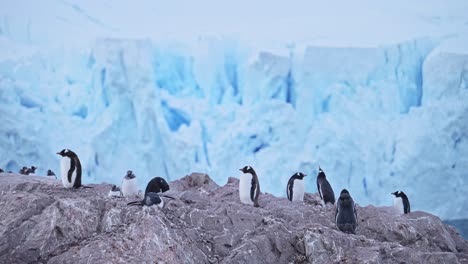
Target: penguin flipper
[
  {"x": 135, "y": 203},
  {"x": 289, "y": 188},
  {"x": 71, "y": 170},
  {"x": 252, "y": 189},
  {"x": 167, "y": 196}
]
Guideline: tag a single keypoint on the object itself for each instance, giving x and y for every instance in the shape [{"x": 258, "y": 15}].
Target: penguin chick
[
  {"x": 115, "y": 191},
  {"x": 345, "y": 214},
  {"x": 129, "y": 185}
]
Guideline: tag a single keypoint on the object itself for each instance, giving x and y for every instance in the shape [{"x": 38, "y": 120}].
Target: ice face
[{"x": 375, "y": 117}]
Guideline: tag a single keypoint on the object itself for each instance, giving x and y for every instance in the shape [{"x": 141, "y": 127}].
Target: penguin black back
[
  {"x": 255, "y": 185},
  {"x": 324, "y": 188},
  {"x": 345, "y": 214},
  {"x": 404, "y": 200},
  {"x": 75, "y": 165},
  {"x": 290, "y": 186},
  {"x": 157, "y": 185}
]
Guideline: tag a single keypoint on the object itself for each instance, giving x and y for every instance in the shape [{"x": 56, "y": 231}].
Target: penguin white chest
[
  {"x": 245, "y": 183},
  {"x": 398, "y": 205},
  {"x": 129, "y": 187},
  {"x": 65, "y": 165},
  {"x": 298, "y": 191}
]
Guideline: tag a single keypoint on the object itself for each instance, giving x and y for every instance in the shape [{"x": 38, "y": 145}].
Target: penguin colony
[{"x": 249, "y": 190}]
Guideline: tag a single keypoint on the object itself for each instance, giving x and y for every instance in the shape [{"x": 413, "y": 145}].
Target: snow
[{"x": 376, "y": 96}]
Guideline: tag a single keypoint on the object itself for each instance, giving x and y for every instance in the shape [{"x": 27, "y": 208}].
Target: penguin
[
  {"x": 324, "y": 188},
  {"x": 70, "y": 169},
  {"x": 295, "y": 187},
  {"x": 1, "y": 170},
  {"x": 157, "y": 185},
  {"x": 401, "y": 202},
  {"x": 129, "y": 185},
  {"x": 249, "y": 187},
  {"x": 23, "y": 171},
  {"x": 115, "y": 191},
  {"x": 150, "y": 199},
  {"x": 31, "y": 171},
  {"x": 345, "y": 214},
  {"x": 50, "y": 173}
]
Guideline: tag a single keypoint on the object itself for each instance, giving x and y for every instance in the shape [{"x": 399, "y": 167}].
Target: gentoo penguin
[
  {"x": 129, "y": 185},
  {"x": 149, "y": 199},
  {"x": 50, "y": 173},
  {"x": 31, "y": 171},
  {"x": 1, "y": 171},
  {"x": 401, "y": 202},
  {"x": 157, "y": 185},
  {"x": 23, "y": 171},
  {"x": 249, "y": 187},
  {"x": 295, "y": 188},
  {"x": 70, "y": 169},
  {"x": 115, "y": 192},
  {"x": 345, "y": 214},
  {"x": 324, "y": 188}
]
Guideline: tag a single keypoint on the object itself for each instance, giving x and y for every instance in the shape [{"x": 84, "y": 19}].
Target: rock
[{"x": 41, "y": 222}]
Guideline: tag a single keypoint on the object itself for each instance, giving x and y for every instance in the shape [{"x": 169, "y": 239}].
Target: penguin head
[
  {"x": 299, "y": 175},
  {"x": 130, "y": 175},
  {"x": 50, "y": 172},
  {"x": 398, "y": 193},
  {"x": 247, "y": 169},
  {"x": 344, "y": 194},
  {"x": 115, "y": 188},
  {"x": 321, "y": 174},
  {"x": 33, "y": 169},
  {"x": 66, "y": 153},
  {"x": 163, "y": 184}
]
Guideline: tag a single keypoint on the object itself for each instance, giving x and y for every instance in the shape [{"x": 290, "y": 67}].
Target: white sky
[{"x": 360, "y": 23}]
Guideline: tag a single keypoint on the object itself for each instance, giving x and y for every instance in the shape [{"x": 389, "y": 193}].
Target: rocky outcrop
[{"x": 41, "y": 222}]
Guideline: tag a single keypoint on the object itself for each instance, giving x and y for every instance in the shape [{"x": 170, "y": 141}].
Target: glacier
[{"x": 375, "y": 118}]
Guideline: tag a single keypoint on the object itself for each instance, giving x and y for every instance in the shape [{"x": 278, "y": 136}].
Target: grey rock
[{"x": 41, "y": 222}]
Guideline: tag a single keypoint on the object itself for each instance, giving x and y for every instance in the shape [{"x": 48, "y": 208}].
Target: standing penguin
[
  {"x": 401, "y": 202},
  {"x": 150, "y": 199},
  {"x": 345, "y": 214},
  {"x": 129, "y": 185},
  {"x": 295, "y": 187},
  {"x": 70, "y": 169},
  {"x": 1, "y": 170},
  {"x": 157, "y": 185},
  {"x": 249, "y": 187},
  {"x": 324, "y": 188}
]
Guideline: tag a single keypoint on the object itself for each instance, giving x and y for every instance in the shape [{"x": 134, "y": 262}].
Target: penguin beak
[
  {"x": 58, "y": 153},
  {"x": 305, "y": 175},
  {"x": 240, "y": 169}
]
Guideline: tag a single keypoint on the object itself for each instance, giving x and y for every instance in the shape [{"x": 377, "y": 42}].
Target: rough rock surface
[{"x": 41, "y": 222}]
